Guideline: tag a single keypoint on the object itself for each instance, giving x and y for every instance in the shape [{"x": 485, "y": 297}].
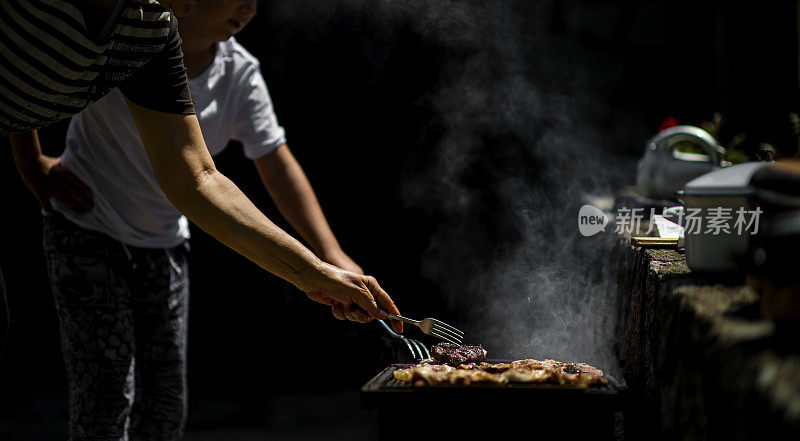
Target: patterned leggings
[{"x": 122, "y": 313}]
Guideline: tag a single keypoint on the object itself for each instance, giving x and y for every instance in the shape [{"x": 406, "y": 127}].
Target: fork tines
[
  {"x": 446, "y": 332},
  {"x": 431, "y": 326},
  {"x": 418, "y": 350}
]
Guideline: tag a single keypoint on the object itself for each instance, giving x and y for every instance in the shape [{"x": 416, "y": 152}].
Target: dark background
[{"x": 358, "y": 87}]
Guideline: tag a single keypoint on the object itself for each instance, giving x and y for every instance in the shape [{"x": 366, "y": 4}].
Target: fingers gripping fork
[{"x": 435, "y": 328}]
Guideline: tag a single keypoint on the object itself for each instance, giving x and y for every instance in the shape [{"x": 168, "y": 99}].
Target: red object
[{"x": 667, "y": 123}]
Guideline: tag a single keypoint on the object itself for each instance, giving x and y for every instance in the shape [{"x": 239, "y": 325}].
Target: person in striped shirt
[
  {"x": 133, "y": 45},
  {"x": 112, "y": 219},
  {"x": 58, "y": 56}
]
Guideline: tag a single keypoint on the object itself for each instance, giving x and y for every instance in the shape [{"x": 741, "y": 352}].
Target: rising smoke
[
  {"x": 525, "y": 108},
  {"x": 526, "y": 136}
]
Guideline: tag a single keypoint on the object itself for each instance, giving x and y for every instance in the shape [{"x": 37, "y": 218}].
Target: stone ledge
[{"x": 699, "y": 361}]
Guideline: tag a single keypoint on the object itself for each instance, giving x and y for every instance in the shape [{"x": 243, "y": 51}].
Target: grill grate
[{"x": 385, "y": 382}]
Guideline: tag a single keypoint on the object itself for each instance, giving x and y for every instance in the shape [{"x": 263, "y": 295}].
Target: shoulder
[
  {"x": 239, "y": 53},
  {"x": 148, "y": 11},
  {"x": 148, "y": 19},
  {"x": 240, "y": 59},
  {"x": 148, "y": 5}
]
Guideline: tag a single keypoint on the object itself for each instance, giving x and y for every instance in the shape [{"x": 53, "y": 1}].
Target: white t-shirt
[{"x": 105, "y": 151}]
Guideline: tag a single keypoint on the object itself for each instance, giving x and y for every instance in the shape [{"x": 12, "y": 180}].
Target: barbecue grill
[{"x": 468, "y": 411}]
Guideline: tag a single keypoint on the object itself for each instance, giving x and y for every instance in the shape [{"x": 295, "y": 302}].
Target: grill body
[{"x": 452, "y": 411}]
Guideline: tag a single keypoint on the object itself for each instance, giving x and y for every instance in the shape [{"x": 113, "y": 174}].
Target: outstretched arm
[
  {"x": 190, "y": 180},
  {"x": 288, "y": 186}
]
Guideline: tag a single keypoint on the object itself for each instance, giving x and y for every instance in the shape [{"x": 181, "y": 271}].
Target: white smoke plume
[{"x": 527, "y": 132}]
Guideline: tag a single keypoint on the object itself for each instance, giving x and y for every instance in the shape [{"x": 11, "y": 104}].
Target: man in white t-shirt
[{"x": 115, "y": 245}]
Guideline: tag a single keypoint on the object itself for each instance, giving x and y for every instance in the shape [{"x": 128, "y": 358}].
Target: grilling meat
[
  {"x": 448, "y": 353},
  {"x": 520, "y": 371}
]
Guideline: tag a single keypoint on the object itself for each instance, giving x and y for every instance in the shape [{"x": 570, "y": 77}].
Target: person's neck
[{"x": 198, "y": 54}]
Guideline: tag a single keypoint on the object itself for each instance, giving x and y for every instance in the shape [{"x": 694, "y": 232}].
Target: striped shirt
[{"x": 52, "y": 65}]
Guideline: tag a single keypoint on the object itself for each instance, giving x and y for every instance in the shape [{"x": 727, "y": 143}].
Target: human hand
[
  {"x": 48, "y": 178},
  {"x": 339, "y": 258},
  {"x": 351, "y": 296}
]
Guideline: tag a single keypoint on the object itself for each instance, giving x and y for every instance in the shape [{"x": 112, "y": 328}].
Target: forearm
[
  {"x": 187, "y": 175},
  {"x": 289, "y": 187},
  {"x": 26, "y": 149},
  {"x": 221, "y": 209}
]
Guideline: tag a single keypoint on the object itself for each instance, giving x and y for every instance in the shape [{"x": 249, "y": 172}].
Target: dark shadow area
[{"x": 438, "y": 135}]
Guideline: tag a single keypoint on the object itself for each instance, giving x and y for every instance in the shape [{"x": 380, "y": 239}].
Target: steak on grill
[{"x": 448, "y": 353}]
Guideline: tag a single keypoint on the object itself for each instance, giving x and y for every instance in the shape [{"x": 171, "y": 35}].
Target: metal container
[
  {"x": 663, "y": 170},
  {"x": 729, "y": 189}
]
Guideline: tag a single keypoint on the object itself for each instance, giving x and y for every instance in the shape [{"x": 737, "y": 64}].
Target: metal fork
[
  {"x": 417, "y": 349},
  {"x": 434, "y": 327}
]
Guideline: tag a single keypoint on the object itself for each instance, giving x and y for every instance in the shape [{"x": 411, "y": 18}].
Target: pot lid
[{"x": 733, "y": 180}]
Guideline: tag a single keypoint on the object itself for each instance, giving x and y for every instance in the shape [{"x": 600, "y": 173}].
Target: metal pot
[{"x": 663, "y": 170}]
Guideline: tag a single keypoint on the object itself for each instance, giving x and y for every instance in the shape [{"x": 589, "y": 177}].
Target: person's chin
[{"x": 231, "y": 31}]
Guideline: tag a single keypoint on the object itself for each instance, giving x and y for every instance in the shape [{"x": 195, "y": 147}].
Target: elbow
[
  {"x": 182, "y": 188},
  {"x": 204, "y": 174}
]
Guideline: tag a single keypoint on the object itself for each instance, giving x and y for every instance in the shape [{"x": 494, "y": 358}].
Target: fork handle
[{"x": 403, "y": 319}]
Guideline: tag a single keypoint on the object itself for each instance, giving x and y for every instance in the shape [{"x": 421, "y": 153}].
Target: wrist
[
  {"x": 37, "y": 163},
  {"x": 310, "y": 278}
]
